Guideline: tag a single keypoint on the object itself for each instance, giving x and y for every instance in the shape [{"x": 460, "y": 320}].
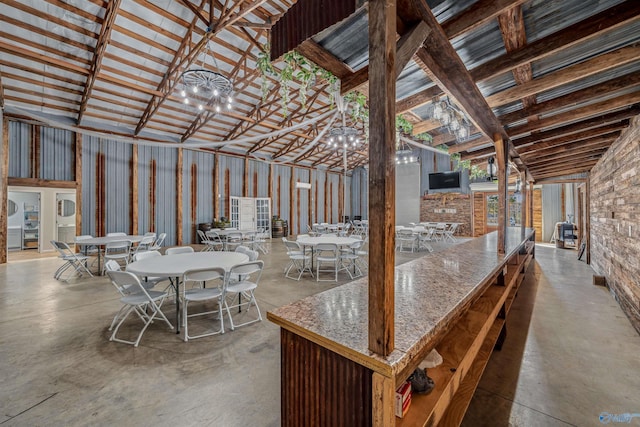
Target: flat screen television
[{"x": 441, "y": 180}]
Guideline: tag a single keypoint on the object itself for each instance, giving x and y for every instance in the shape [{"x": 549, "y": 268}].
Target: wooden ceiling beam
[
  {"x": 593, "y": 26},
  {"x": 570, "y": 158},
  {"x": 443, "y": 65},
  {"x": 560, "y": 172},
  {"x": 425, "y": 126},
  {"x": 186, "y": 54},
  {"x": 101, "y": 46},
  {"x": 466, "y": 146},
  {"x": 417, "y": 100},
  {"x": 571, "y": 138},
  {"x": 477, "y": 15},
  {"x": 590, "y": 67},
  {"x": 484, "y": 152},
  {"x": 322, "y": 57},
  {"x": 587, "y": 111},
  {"x": 573, "y": 148},
  {"x": 406, "y": 47},
  {"x": 563, "y": 165},
  {"x": 582, "y": 125},
  {"x": 584, "y": 95}
]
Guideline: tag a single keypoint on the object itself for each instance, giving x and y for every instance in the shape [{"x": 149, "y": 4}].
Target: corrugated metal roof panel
[
  {"x": 480, "y": 45},
  {"x": 348, "y": 41}
]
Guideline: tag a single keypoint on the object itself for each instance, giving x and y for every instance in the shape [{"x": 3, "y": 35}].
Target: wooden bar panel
[{"x": 322, "y": 388}]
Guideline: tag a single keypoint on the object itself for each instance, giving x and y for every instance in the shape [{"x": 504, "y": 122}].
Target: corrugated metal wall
[
  {"x": 551, "y": 209},
  {"x": 19, "y": 149},
  {"x": 258, "y": 179},
  {"x": 165, "y": 195},
  {"x": 90, "y": 149},
  {"x": 281, "y": 179},
  {"x": 235, "y": 168},
  {"x": 117, "y": 186},
  {"x": 202, "y": 164},
  {"x": 56, "y": 154},
  {"x": 318, "y": 194},
  {"x": 334, "y": 190},
  {"x": 302, "y": 198}
]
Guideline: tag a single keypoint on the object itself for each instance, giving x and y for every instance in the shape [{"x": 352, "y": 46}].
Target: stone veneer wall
[
  {"x": 615, "y": 220},
  {"x": 461, "y": 203}
]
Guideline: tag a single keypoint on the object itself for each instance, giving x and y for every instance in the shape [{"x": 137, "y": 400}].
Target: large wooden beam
[
  {"x": 77, "y": 176},
  {"x": 101, "y": 46},
  {"x": 591, "y": 27},
  {"x": 580, "y": 126},
  {"x": 563, "y": 167},
  {"x": 316, "y": 53},
  {"x": 573, "y": 147},
  {"x": 501, "y": 162},
  {"x": 568, "y": 159},
  {"x": 474, "y": 143},
  {"x": 442, "y": 64},
  {"x": 4, "y": 181},
  {"x": 560, "y": 172},
  {"x": 477, "y": 15},
  {"x": 406, "y": 48},
  {"x": 593, "y": 92},
  {"x": 571, "y": 138},
  {"x": 417, "y": 100},
  {"x": 599, "y": 64},
  {"x": 382, "y": 54},
  {"x": 587, "y": 111}
]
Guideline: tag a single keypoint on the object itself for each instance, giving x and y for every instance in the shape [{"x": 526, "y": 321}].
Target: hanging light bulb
[
  {"x": 228, "y": 106},
  {"x": 215, "y": 92},
  {"x": 186, "y": 100},
  {"x": 183, "y": 93},
  {"x": 217, "y": 108},
  {"x": 229, "y": 100},
  {"x": 200, "y": 107},
  {"x": 195, "y": 89}
]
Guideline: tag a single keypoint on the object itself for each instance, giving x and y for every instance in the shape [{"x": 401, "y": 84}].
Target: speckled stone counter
[{"x": 429, "y": 293}]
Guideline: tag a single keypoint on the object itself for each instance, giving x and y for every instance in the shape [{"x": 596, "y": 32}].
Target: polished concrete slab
[{"x": 569, "y": 354}]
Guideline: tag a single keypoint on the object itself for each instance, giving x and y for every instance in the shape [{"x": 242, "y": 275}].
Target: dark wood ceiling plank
[
  {"x": 477, "y": 15},
  {"x": 572, "y": 73},
  {"x": 560, "y": 165},
  {"x": 465, "y": 146},
  {"x": 406, "y": 47},
  {"x": 417, "y": 100},
  {"x": 101, "y": 46},
  {"x": 623, "y": 82},
  {"x": 574, "y": 147},
  {"x": 593, "y": 26},
  {"x": 586, "y": 153},
  {"x": 574, "y": 137},
  {"x": 580, "y": 126},
  {"x": 322, "y": 57},
  {"x": 587, "y": 111},
  {"x": 561, "y": 172}
]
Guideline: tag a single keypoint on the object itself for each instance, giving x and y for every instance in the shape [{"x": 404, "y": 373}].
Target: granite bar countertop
[{"x": 429, "y": 292}]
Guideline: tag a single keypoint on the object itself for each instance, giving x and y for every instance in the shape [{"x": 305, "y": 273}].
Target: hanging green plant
[
  {"x": 266, "y": 68},
  {"x": 403, "y": 125},
  {"x": 477, "y": 173},
  {"x": 424, "y": 136}
]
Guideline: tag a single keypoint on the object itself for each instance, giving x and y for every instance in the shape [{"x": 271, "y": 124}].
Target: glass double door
[{"x": 249, "y": 213}]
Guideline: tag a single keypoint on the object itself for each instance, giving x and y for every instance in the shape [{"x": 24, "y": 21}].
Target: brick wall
[
  {"x": 432, "y": 205},
  {"x": 615, "y": 209}
]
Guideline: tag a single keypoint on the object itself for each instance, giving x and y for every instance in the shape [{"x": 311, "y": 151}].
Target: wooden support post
[
  {"x": 100, "y": 194},
  {"x": 134, "y": 190},
  {"x": 341, "y": 181},
  {"x": 153, "y": 179},
  {"x": 216, "y": 188},
  {"x": 327, "y": 202},
  {"x": 4, "y": 179},
  {"x": 530, "y": 224},
  {"x": 292, "y": 184},
  {"x": 179, "y": 237},
  {"x": 503, "y": 177},
  {"x": 587, "y": 225},
  {"x": 35, "y": 151},
  {"x": 382, "y": 96},
  {"x": 270, "y": 190},
  {"x": 523, "y": 203},
  {"x": 382, "y": 394},
  {"x": 78, "y": 178},
  {"x": 245, "y": 180},
  {"x": 193, "y": 190}
]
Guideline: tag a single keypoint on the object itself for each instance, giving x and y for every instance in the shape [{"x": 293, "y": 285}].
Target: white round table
[
  {"x": 174, "y": 266},
  {"x": 102, "y": 241},
  {"x": 316, "y": 240}
]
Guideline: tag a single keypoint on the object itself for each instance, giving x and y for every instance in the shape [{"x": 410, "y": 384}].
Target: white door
[{"x": 247, "y": 213}]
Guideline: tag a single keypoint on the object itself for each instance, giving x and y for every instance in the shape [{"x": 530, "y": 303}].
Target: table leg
[{"x": 177, "y": 287}]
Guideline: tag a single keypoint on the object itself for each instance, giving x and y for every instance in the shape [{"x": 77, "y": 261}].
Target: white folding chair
[
  {"x": 406, "y": 237},
  {"x": 215, "y": 242},
  {"x": 424, "y": 239},
  {"x": 349, "y": 259},
  {"x": 157, "y": 244},
  {"x": 450, "y": 232},
  {"x": 150, "y": 281},
  {"x": 118, "y": 251},
  {"x": 206, "y": 241},
  {"x": 179, "y": 250},
  {"x": 297, "y": 259},
  {"x": 234, "y": 239},
  {"x": 439, "y": 232},
  {"x": 89, "y": 250},
  {"x": 250, "y": 273},
  {"x": 71, "y": 259},
  {"x": 253, "y": 255},
  {"x": 136, "y": 298},
  {"x": 326, "y": 254},
  {"x": 143, "y": 245},
  {"x": 210, "y": 287}
]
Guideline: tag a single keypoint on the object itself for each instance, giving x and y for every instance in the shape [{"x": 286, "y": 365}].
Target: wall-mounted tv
[{"x": 440, "y": 180}]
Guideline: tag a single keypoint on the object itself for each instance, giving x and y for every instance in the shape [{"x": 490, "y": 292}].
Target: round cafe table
[
  {"x": 313, "y": 241},
  {"x": 174, "y": 267},
  {"x": 102, "y": 241}
]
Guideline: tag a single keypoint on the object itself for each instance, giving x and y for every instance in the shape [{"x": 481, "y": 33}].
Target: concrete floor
[{"x": 570, "y": 354}]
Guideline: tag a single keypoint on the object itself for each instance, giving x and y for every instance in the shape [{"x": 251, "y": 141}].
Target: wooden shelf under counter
[{"x": 329, "y": 377}]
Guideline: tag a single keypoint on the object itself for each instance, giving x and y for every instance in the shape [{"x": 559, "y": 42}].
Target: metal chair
[
  {"x": 71, "y": 259},
  {"x": 136, "y": 298},
  {"x": 119, "y": 251},
  {"x": 250, "y": 273},
  {"x": 206, "y": 292},
  {"x": 327, "y": 253}
]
